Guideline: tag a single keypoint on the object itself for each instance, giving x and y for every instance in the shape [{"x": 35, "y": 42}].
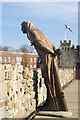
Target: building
[
  {"x": 70, "y": 57},
  {"x": 7, "y": 57}
]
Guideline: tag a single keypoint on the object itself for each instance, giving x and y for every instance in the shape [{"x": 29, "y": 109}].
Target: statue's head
[{"x": 25, "y": 26}]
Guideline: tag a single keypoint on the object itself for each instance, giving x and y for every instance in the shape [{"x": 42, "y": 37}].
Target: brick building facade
[{"x": 7, "y": 57}]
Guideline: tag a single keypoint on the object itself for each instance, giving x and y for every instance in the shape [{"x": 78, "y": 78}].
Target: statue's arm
[
  {"x": 37, "y": 38},
  {"x": 44, "y": 47}
]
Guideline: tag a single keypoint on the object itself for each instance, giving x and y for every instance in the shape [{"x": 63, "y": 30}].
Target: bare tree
[
  {"x": 25, "y": 60},
  {"x": 10, "y": 49},
  {"x": 5, "y": 48},
  {"x": 23, "y": 49},
  {"x": 31, "y": 49}
]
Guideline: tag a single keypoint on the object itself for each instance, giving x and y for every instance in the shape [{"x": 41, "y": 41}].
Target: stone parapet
[
  {"x": 18, "y": 93},
  {"x": 66, "y": 75},
  {"x": 22, "y": 90}
]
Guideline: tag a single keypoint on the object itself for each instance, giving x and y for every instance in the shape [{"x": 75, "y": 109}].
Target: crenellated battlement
[
  {"x": 70, "y": 54},
  {"x": 65, "y": 43}
]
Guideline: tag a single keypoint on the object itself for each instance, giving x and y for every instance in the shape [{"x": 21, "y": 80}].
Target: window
[
  {"x": 1, "y": 58},
  {"x": 27, "y": 65},
  {"x": 18, "y": 59},
  {"x": 5, "y": 58},
  {"x": 34, "y": 59},
  {"x": 9, "y": 58},
  {"x": 34, "y": 66},
  {"x": 13, "y": 58},
  {"x": 31, "y": 59},
  {"x": 31, "y": 66}
]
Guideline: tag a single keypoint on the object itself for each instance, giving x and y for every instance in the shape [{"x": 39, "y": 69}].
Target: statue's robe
[{"x": 49, "y": 66}]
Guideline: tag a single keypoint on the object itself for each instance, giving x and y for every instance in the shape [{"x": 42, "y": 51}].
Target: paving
[
  {"x": 71, "y": 93},
  {"x": 73, "y": 101}
]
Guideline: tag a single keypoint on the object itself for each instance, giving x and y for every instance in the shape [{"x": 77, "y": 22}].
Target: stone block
[
  {"x": 19, "y": 90},
  {"x": 3, "y": 103},
  {"x": 20, "y": 77},
  {"x": 66, "y": 75},
  {"x": 2, "y": 73},
  {"x": 9, "y": 104},
  {"x": 2, "y": 113},
  {"x": 3, "y": 89},
  {"x": 7, "y": 66}
]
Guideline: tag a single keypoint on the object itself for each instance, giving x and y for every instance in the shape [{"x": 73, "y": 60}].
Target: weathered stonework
[
  {"x": 70, "y": 54},
  {"x": 17, "y": 99},
  {"x": 66, "y": 75},
  {"x": 22, "y": 90}
]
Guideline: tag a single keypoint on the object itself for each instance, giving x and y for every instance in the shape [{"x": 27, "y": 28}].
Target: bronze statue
[{"x": 49, "y": 65}]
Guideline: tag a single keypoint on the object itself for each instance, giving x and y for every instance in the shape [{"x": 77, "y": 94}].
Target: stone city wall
[
  {"x": 21, "y": 90},
  {"x": 66, "y": 75},
  {"x": 17, "y": 87}
]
